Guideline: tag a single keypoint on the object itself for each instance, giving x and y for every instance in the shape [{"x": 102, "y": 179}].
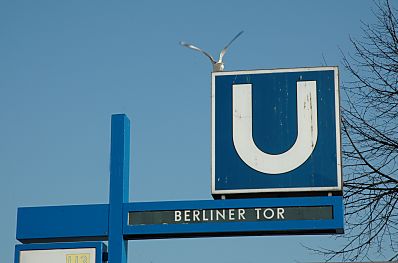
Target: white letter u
[{"x": 307, "y": 130}]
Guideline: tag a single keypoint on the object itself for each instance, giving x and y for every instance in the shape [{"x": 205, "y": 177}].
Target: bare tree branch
[{"x": 370, "y": 142}]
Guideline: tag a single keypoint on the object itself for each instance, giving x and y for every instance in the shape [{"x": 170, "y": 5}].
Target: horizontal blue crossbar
[
  {"x": 62, "y": 223},
  {"x": 90, "y": 222}
]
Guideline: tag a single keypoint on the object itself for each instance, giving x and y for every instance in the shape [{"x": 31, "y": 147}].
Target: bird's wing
[
  {"x": 198, "y": 49},
  {"x": 227, "y": 46}
]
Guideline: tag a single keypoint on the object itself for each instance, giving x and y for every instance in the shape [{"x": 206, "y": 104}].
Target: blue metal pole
[{"x": 119, "y": 186}]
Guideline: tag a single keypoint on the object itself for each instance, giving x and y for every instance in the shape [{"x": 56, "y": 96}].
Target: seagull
[{"x": 217, "y": 65}]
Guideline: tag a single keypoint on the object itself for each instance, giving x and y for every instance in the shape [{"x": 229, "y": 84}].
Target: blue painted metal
[
  {"x": 109, "y": 222},
  {"x": 100, "y": 248},
  {"x": 62, "y": 226},
  {"x": 275, "y": 131},
  {"x": 119, "y": 186},
  {"x": 62, "y": 223},
  {"x": 334, "y": 225}
]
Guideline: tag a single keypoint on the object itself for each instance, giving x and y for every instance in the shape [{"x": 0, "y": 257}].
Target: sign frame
[{"x": 249, "y": 191}]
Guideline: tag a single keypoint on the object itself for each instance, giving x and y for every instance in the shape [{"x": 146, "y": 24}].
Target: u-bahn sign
[{"x": 276, "y": 131}]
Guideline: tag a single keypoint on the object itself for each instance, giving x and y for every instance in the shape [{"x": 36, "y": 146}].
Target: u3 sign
[{"x": 276, "y": 131}]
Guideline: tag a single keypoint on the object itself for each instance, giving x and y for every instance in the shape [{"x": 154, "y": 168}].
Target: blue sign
[{"x": 276, "y": 131}]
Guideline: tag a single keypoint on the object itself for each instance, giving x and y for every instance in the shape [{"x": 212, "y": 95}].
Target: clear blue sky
[{"x": 66, "y": 66}]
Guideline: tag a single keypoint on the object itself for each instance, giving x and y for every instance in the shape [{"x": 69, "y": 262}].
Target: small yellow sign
[{"x": 78, "y": 258}]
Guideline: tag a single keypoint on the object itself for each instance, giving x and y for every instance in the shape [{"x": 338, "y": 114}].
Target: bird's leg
[{"x": 218, "y": 66}]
